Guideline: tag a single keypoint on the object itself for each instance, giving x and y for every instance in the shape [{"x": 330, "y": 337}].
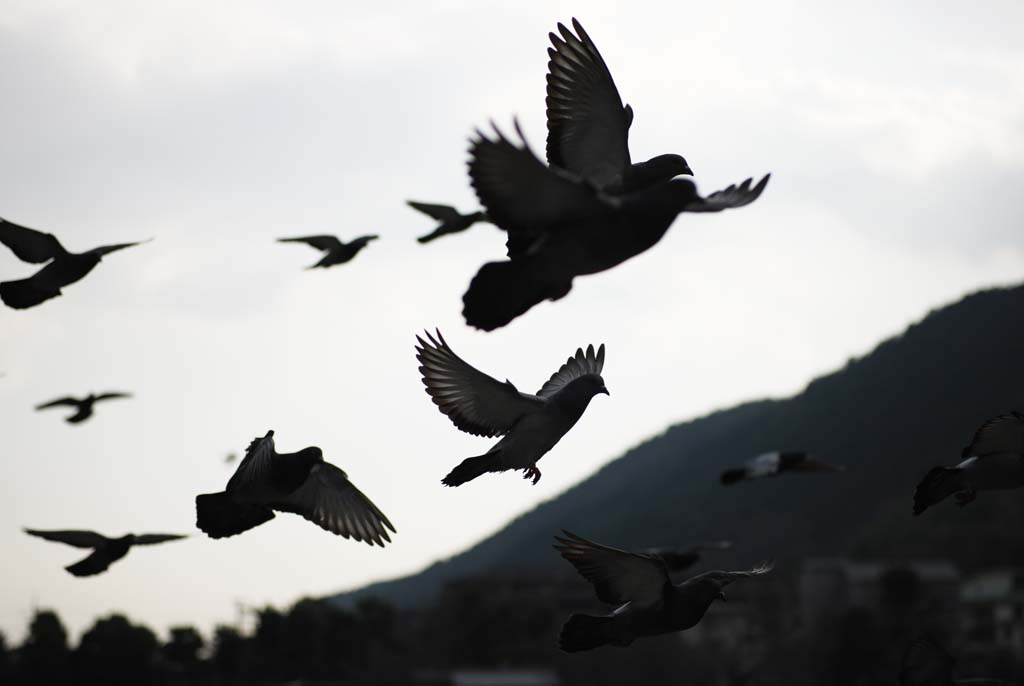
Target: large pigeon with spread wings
[
  {"x": 530, "y": 425},
  {"x": 993, "y": 461},
  {"x": 648, "y": 602},
  {"x": 560, "y": 226},
  {"x": 104, "y": 550},
  {"x": 301, "y": 483},
  {"x": 83, "y": 406},
  {"x": 335, "y": 250},
  {"x": 64, "y": 267}
]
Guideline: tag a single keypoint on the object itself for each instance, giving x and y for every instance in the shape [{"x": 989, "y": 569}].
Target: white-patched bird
[{"x": 776, "y": 463}]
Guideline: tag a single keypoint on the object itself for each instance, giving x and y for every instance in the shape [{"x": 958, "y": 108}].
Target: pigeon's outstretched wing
[
  {"x": 1004, "y": 433},
  {"x": 443, "y": 213},
  {"x": 150, "y": 539},
  {"x": 728, "y": 198},
  {"x": 107, "y": 249},
  {"x": 726, "y": 578},
  {"x": 579, "y": 365},
  {"x": 328, "y": 499},
  {"x": 257, "y": 464},
  {"x": 618, "y": 576},
  {"x": 475, "y": 402},
  {"x": 111, "y": 396},
  {"x": 78, "y": 539},
  {"x": 588, "y": 128},
  {"x": 926, "y": 663},
  {"x": 93, "y": 564},
  {"x": 324, "y": 243},
  {"x": 59, "y": 402},
  {"x": 28, "y": 244}
]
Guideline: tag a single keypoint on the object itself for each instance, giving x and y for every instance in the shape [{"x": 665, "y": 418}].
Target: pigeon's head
[
  {"x": 590, "y": 385},
  {"x": 312, "y": 453},
  {"x": 669, "y": 166}
]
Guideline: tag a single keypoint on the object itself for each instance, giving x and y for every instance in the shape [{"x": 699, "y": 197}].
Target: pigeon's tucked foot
[
  {"x": 532, "y": 473},
  {"x": 218, "y": 516},
  {"x": 964, "y": 498},
  {"x": 586, "y": 632}
]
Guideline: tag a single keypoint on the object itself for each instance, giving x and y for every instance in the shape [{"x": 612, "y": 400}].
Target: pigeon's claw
[{"x": 532, "y": 473}]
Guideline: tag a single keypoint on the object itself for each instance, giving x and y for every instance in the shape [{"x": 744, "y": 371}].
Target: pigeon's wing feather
[
  {"x": 728, "y": 198},
  {"x": 444, "y": 213},
  {"x": 257, "y": 464},
  {"x": 1004, "y": 433},
  {"x": 150, "y": 539},
  {"x": 318, "y": 242},
  {"x": 28, "y": 244},
  {"x": 726, "y": 578},
  {"x": 588, "y": 128},
  {"x": 111, "y": 396},
  {"x": 67, "y": 400},
  {"x": 107, "y": 249},
  {"x": 79, "y": 539},
  {"x": 618, "y": 576},
  {"x": 93, "y": 564},
  {"x": 475, "y": 402},
  {"x": 328, "y": 499},
  {"x": 576, "y": 366},
  {"x": 925, "y": 663}
]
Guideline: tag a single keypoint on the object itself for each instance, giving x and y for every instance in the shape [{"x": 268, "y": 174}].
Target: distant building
[{"x": 993, "y": 610}]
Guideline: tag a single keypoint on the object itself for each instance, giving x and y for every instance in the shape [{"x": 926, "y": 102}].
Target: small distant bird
[
  {"x": 680, "y": 559},
  {"x": 64, "y": 268},
  {"x": 105, "y": 550},
  {"x": 648, "y": 602},
  {"x": 301, "y": 483},
  {"x": 83, "y": 406},
  {"x": 776, "y": 463},
  {"x": 231, "y": 457},
  {"x": 481, "y": 405},
  {"x": 926, "y": 663},
  {"x": 335, "y": 252},
  {"x": 993, "y": 461},
  {"x": 452, "y": 221},
  {"x": 560, "y": 226}
]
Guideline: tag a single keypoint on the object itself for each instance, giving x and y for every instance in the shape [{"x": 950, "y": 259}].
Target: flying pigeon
[
  {"x": 588, "y": 126},
  {"x": 64, "y": 267},
  {"x": 680, "y": 559},
  {"x": 648, "y": 602},
  {"x": 993, "y": 461},
  {"x": 105, "y": 551},
  {"x": 300, "y": 483},
  {"x": 776, "y": 463},
  {"x": 560, "y": 227},
  {"x": 926, "y": 663},
  {"x": 335, "y": 252},
  {"x": 452, "y": 221},
  {"x": 83, "y": 406},
  {"x": 530, "y": 425}
]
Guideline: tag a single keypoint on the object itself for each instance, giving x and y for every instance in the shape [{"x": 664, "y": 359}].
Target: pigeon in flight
[
  {"x": 452, "y": 221},
  {"x": 335, "y": 252},
  {"x": 301, "y": 483},
  {"x": 105, "y": 551},
  {"x": 83, "y": 406},
  {"x": 993, "y": 461},
  {"x": 648, "y": 602},
  {"x": 560, "y": 227},
  {"x": 64, "y": 267},
  {"x": 926, "y": 663},
  {"x": 775, "y": 463},
  {"x": 680, "y": 559},
  {"x": 588, "y": 126},
  {"x": 530, "y": 425}
]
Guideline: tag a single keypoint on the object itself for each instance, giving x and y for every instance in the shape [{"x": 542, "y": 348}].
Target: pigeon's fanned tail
[
  {"x": 23, "y": 294},
  {"x": 731, "y": 476},
  {"x": 469, "y": 469},
  {"x": 218, "y": 515},
  {"x": 501, "y": 291},
  {"x": 936, "y": 485},
  {"x": 584, "y": 632}
]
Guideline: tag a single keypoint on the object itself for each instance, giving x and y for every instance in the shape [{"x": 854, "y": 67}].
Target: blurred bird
[
  {"x": 926, "y": 663},
  {"x": 335, "y": 252},
  {"x": 481, "y": 405},
  {"x": 680, "y": 559},
  {"x": 560, "y": 227},
  {"x": 231, "y": 457},
  {"x": 83, "y": 406},
  {"x": 993, "y": 461},
  {"x": 64, "y": 268},
  {"x": 452, "y": 221},
  {"x": 648, "y": 602},
  {"x": 105, "y": 550},
  {"x": 776, "y": 463},
  {"x": 301, "y": 483}
]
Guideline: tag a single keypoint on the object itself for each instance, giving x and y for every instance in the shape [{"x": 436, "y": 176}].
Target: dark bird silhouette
[
  {"x": 560, "y": 227},
  {"x": 993, "y": 461},
  {"x": 451, "y": 220},
  {"x": 776, "y": 463},
  {"x": 301, "y": 483},
  {"x": 530, "y": 425},
  {"x": 83, "y": 406},
  {"x": 926, "y": 663},
  {"x": 335, "y": 252},
  {"x": 105, "y": 551},
  {"x": 648, "y": 602},
  {"x": 588, "y": 126},
  {"x": 64, "y": 268},
  {"x": 680, "y": 559}
]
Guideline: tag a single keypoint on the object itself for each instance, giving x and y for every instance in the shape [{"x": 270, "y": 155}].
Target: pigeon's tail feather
[
  {"x": 501, "y": 291},
  {"x": 24, "y": 293},
  {"x": 731, "y": 476},
  {"x": 469, "y": 469},
  {"x": 585, "y": 632},
  {"x": 938, "y": 484},
  {"x": 218, "y": 516}
]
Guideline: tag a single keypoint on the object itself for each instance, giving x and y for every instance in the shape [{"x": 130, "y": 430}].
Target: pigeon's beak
[
  {"x": 604, "y": 389},
  {"x": 721, "y": 596},
  {"x": 687, "y": 171}
]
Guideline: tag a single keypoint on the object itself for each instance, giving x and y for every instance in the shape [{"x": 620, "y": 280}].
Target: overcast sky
[{"x": 894, "y": 133}]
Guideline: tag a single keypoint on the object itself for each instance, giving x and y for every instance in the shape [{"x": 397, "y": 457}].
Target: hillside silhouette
[{"x": 912, "y": 403}]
